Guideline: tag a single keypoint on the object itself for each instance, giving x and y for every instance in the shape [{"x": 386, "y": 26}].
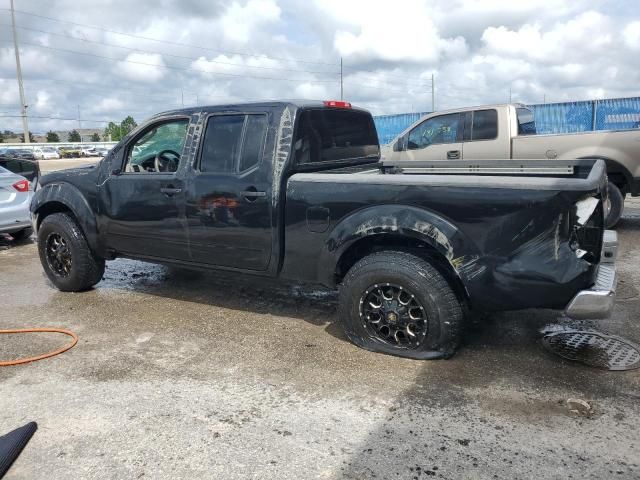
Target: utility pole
[
  {"x": 433, "y": 92},
  {"x": 23, "y": 102},
  {"x": 509, "y": 93},
  {"x": 341, "y": 82},
  {"x": 79, "y": 124}
]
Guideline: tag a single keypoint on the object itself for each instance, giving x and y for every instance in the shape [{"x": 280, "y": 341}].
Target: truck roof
[{"x": 296, "y": 103}]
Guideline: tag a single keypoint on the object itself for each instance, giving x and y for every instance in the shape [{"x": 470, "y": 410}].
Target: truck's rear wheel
[
  {"x": 66, "y": 256},
  {"x": 397, "y": 303},
  {"x": 616, "y": 205}
]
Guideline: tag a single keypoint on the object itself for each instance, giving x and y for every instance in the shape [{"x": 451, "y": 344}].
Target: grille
[{"x": 594, "y": 349}]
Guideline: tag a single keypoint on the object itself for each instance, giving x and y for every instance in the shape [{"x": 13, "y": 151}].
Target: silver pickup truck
[{"x": 509, "y": 132}]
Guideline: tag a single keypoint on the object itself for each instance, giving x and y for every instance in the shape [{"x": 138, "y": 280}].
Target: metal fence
[
  {"x": 389, "y": 126},
  {"x": 567, "y": 117}
]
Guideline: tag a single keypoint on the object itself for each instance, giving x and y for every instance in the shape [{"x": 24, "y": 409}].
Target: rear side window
[
  {"x": 233, "y": 143},
  {"x": 526, "y": 121},
  {"x": 485, "y": 125},
  {"x": 330, "y": 135}
]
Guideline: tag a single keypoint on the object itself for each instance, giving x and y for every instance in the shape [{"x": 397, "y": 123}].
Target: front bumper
[{"x": 597, "y": 302}]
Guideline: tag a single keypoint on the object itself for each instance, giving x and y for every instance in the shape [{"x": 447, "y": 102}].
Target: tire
[
  {"x": 85, "y": 269},
  {"x": 21, "y": 235},
  {"x": 616, "y": 202},
  {"x": 400, "y": 272}
]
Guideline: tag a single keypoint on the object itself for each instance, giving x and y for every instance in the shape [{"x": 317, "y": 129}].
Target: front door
[
  {"x": 229, "y": 194},
  {"x": 143, "y": 200}
]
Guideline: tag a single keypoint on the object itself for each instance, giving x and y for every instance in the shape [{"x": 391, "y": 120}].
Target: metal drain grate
[{"x": 594, "y": 349}]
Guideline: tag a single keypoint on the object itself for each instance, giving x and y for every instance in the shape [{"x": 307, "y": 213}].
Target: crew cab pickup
[
  {"x": 509, "y": 132},
  {"x": 297, "y": 191}
]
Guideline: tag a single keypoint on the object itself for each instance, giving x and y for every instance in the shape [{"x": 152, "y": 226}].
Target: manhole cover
[{"x": 594, "y": 349}]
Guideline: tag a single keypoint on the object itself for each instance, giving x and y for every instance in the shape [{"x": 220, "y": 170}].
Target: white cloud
[
  {"x": 586, "y": 34},
  {"x": 109, "y": 104},
  {"x": 393, "y": 31},
  {"x": 631, "y": 34},
  {"x": 239, "y": 21},
  {"x": 143, "y": 67}
]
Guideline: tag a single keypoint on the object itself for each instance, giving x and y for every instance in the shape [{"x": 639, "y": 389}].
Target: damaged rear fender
[
  {"x": 382, "y": 224},
  {"x": 56, "y": 197}
]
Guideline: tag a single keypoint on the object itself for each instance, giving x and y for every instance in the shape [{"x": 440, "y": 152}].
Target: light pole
[{"x": 23, "y": 102}]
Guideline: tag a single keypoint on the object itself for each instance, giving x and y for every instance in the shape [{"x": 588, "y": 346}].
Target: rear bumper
[{"x": 597, "y": 302}]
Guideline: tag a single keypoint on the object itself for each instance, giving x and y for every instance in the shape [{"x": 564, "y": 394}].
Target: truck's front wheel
[
  {"x": 616, "y": 205},
  {"x": 398, "y": 303},
  {"x": 66, "y": 256}
]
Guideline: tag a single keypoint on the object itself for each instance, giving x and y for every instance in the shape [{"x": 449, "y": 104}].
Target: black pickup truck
[{"x": 297, "y": 190}]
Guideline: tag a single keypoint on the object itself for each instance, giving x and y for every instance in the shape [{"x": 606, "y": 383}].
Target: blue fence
[{"x": 609, "y": 114}]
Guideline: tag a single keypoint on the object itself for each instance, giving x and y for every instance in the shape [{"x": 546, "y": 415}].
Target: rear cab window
[
  {"x": 335, "y": 135},
  {"x": 526, "y": 121}
]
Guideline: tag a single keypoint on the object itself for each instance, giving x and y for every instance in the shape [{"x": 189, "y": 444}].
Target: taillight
[
  {"x": 336, "y": 103},
  {"x": 21, "y": 186}
]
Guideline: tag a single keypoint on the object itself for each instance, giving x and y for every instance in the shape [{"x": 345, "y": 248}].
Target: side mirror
[
  {"x": 401, "y": 144},
  {"x": 116, "y": 171}
]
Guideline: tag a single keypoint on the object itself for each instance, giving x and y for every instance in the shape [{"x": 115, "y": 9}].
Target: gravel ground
[{"x": 190, "y": 375}]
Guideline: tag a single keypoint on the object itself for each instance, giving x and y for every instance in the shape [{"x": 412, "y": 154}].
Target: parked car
[
  {"x": 23, "y": 153},
  {"x": 15, "y": 197},
  {"x": 88, "y": 151},
  {"x": 508, "y": 132},
  {"x": 70, "y": 152},
  {"x": 102, "y": 151},
  {"x": 46, "y": 153},
  {"x": 30, "y": 169},
  {"x": 296, "y": 190}
]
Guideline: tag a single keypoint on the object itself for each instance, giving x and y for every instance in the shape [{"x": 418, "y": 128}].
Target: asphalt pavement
[{"x": 201, "y": 375}]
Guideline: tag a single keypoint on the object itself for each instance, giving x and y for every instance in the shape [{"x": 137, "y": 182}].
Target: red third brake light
[
  {"x": 21, "y": 186},
  {"x": 336, "y": 103}
]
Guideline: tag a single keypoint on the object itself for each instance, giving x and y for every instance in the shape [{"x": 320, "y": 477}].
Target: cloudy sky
[{"x": 111, "y": 58}]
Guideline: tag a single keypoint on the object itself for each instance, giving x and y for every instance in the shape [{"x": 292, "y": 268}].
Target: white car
[
  {"x": 15, "y": 198},
  {"x": 88, "y": 151},
  {"x": 46, "y": 153}
]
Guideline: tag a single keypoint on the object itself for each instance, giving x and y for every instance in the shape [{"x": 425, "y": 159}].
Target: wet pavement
[{"x": 183, "y": 374}]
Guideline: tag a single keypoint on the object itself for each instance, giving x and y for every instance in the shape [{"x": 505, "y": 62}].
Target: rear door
[
  {"x": 437, "y": 138},
  {"x": 486, "y": 135},
  {"x": 228, "y": 204}
]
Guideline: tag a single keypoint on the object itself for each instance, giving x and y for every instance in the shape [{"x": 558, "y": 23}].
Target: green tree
[
  {"x": 95, "y": 137},
  {"x": 31, "y": 139},
  {"x": 52, "y": 137},
  {"x": 8, "y": 133},
  {"x": 74, "y": 136},
  {"x": 113, "y": 132},
  {"x": 127, "y": 125},
  {"x": 1, "y": 138}
]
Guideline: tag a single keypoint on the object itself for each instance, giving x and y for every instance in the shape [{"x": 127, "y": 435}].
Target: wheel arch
[
  {"x": 63, "y": 197},
  {"x": 616, "y": 172},
  {"x": 395, "y": 227}
]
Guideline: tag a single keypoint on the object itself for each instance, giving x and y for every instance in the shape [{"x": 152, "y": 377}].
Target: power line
[
  {"x": 141, "y": 37},
  {"x": 168, "y": 42},
  {"x": 136, "y": 49},
  {"x": 174, "y": 67}
]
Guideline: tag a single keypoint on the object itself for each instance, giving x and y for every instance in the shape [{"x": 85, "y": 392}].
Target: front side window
[
  {"x": 232, "y": 143},
  {"x": 485, "y": 125},
  {"x": 158, "y": 148},
  {"x": 436, "y": 130}
]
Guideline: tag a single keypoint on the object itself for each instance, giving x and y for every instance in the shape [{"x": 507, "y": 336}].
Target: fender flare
[
  {"x": 399, "y": 220},
  {"x": 614, "y": 167},
  {"x": 69, "y": 196}
]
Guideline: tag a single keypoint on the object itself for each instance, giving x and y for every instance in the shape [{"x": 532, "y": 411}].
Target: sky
[{"x": 102, "y": 60}]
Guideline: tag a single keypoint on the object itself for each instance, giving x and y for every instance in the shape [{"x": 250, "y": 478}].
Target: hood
[{"x": 68, "y": 174}]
